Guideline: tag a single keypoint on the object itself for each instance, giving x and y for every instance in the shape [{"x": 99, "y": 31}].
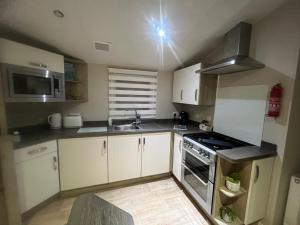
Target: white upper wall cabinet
[
  {"x": 24, "y": 55},
  {"x": 194, "y": 88}
]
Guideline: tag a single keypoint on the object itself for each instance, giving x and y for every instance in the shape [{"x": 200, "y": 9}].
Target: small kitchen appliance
[
  {"x": 55, "y": 120},
  {"x": 183, "y": 118},
  {"x": 73, "y": 120},
  {"x": 24, "y": 84},
  {"x": 199, "y": 164}
]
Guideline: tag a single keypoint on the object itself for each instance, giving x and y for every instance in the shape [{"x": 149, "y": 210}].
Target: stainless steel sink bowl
[{"x": 125, "y": 127}]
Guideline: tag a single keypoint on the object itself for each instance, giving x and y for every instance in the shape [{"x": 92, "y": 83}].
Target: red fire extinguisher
[{"x": 275, "y": 101}]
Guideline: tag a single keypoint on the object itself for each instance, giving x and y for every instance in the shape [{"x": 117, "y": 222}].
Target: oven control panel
[{"x": 200, "y": 151}]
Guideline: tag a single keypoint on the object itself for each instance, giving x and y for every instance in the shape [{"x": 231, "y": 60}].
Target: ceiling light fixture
[
  {"x": 161, "y": 33},
  {"x": 58, "y": 13}
]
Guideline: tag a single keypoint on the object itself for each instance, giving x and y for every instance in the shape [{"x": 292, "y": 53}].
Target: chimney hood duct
[{"x": 236, "y": 53}]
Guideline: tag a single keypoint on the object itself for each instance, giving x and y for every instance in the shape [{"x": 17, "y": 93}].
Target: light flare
[{"x": 161, "y": 34}]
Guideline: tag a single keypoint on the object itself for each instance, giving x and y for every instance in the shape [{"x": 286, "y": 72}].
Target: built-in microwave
[{"x": 24, "y": 84}]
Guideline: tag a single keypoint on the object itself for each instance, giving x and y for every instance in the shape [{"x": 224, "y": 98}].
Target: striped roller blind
[{"x": 131, "y": 90}]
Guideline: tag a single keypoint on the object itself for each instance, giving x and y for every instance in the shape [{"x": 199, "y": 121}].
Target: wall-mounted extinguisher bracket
[{"x": 275, "y": 101}]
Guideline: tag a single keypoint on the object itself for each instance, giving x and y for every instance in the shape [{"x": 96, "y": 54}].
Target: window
[{"x": 130, "y": 91}]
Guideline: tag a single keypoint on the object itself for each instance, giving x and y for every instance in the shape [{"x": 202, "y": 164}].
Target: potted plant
[
  {"x": 227, "y": 214},
  {"x": 233, "y": 182}
]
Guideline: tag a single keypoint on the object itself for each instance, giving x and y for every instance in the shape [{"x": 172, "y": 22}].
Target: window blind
[{"x": 131, "y": 90}]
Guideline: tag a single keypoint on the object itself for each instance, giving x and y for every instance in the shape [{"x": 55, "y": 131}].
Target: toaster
[{"x": 72, "y": 120}]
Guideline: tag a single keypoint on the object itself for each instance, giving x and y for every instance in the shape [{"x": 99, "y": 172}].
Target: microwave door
[{"x": 30, "y": 85}]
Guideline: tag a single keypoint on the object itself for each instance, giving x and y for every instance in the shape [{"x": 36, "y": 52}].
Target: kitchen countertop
[
  {"x": 248, "y": 153},
  {"x": 39, "y": 134}
]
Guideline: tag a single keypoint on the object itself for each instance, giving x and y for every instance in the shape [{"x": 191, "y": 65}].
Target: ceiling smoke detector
[
  {"x": 103, "y": 46},
  {"x": 58, "y": 13}
]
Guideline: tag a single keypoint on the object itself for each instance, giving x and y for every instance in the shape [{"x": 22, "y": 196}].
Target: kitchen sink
[{"x": 125, "y": 127}]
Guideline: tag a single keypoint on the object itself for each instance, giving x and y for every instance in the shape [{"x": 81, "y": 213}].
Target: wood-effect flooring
[{"x": 154, "y": 203}]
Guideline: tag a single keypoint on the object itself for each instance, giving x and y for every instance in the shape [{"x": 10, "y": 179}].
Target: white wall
[
  {"x": 275, "y": 42},
  {"x": 97, "y": 106}
]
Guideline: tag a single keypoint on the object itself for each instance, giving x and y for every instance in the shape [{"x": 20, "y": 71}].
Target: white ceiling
[{"x": 194, "y": 26}]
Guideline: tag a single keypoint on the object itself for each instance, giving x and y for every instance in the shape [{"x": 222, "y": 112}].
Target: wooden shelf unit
[
  {"x": 219, "y": 221},
  {"x": 73, "y": 81},
  {"x": 77, "y": 89},
  {"x": 231, "y": 194},
  {"x": 237, "y": 201}
]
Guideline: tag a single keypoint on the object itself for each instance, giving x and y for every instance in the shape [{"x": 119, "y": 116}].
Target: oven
[
  {"x": 24, "y": 84},
  {"x": 198, "y": 174}
]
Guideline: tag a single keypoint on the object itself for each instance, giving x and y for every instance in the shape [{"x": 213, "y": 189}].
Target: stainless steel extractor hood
[{"x": 236, "y": 53}]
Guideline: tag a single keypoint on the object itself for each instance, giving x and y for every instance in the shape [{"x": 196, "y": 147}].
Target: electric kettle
[{"x": 55, "y": 120}]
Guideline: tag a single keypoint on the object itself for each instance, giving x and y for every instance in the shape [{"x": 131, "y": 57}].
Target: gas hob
[{"x": 214, "y": 141}]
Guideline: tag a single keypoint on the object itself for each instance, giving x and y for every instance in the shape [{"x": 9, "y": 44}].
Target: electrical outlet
[{"x": 175, "y": 114}]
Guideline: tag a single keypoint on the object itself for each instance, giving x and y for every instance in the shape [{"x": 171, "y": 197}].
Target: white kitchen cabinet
[
  {"x": 177, "y": 156},
  {"x": 156, "y": 153},
  {"x": 83, "y": 162},
  {"x": 24, "y": 55},
  {"x": 178, "y": 87},
  {"x": 194, "y": 88},
  {"x": 260, "y": 180},
  {"x": 124, "y": 158},
  {"x": 37, "y": 174}
]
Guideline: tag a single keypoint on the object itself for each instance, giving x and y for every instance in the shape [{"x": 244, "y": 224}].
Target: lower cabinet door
[
  {"x": 156, "y": 153},
  {"x": 37, "y": 180},
  {"x": 260, "y": 181},
  {"x": 177, "y": 156},
  {"x": 124, "y": 158},
  {"x": 83, "y": 162}
]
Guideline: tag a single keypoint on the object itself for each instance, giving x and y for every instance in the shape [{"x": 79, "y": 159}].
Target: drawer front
[{"x": 35, "y": 151}]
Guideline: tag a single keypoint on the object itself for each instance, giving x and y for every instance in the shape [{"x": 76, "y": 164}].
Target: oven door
[{"x": 195, "y": 180}]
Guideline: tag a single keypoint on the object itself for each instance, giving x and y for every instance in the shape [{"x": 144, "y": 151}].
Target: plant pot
[
  {"x": 227, "y": 218},
  {"x": 227, "y": 215},
  {"x": 235, "y": 187}
]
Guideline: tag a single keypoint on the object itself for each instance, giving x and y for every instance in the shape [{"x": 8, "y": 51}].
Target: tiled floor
[{"x": 155, "y": 203}]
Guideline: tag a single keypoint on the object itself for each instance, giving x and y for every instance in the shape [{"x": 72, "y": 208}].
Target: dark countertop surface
[
  {"x": 248, "y": 153},
  {"x": 38, "y": 134}
]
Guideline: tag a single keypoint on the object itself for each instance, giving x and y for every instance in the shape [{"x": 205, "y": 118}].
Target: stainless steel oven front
[
  {"x": 23, "y": 84},
  {"x": 198, "y": 174}
]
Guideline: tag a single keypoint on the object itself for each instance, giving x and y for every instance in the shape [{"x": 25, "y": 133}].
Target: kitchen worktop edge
[{"x": 37, "y": 135}]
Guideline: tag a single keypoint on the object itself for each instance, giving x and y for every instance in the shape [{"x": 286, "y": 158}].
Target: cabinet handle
[
  {"x": 256, "y": 174},
  {"x": 139, "y": 145},
  {"x": 104, "y": 147},
  {"x": 54, "y": 163},
  {"x": 38, "y": 65},
  {"x": 196, "y": 94},
  {"x": 36, "y": 151},
  {"x": 144, "y": 141},
  {"x": 180, "y": 146},
  {"x": 181, "y": 94}
]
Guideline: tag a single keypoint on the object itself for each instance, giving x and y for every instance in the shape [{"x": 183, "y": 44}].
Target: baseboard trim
[
  {"x": 98, "y": 188},
  {"x": 114, "y": 185},
  {"x": 28, "y": 214}
]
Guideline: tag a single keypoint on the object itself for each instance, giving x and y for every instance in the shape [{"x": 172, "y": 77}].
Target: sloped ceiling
[{"x": 193, "y": 27}]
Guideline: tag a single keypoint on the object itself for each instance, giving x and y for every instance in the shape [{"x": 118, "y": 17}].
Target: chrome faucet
[{"x": 137, "y": 118}]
